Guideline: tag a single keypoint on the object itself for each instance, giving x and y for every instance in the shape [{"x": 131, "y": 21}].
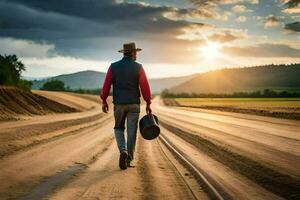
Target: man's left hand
[{"x": 148, "y": 109}]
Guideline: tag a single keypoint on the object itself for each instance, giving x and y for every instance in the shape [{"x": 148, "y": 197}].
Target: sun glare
[{"x": 211, "y": 50}]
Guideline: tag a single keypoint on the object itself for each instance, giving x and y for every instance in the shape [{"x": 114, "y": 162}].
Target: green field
[
  {"x": 276, "y": 107},
  {"x": 274, "y": 104},
  {"x": 234, "y": 99}
]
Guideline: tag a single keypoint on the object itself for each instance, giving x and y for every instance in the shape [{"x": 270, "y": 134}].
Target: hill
[
  {"x": 278, "y": 77},
  {"x": 95, "y": 79},
  {"x": 15, "y": 102},
  {"x": 79, "y": 80},
  {"x": 159, "y": 84}
]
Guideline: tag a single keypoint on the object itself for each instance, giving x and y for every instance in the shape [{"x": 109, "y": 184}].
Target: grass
[
  {"x": 234, "y": 99},
  {"x": 277, "y": 107},
  {"x": 274, "y": 104}
]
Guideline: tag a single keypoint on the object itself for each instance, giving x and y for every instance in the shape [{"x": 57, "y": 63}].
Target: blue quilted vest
[{"x": 125, "y": 79}]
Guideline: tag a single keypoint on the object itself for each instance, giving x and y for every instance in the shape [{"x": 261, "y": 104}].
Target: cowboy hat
[{"x": 129, "y": 47}]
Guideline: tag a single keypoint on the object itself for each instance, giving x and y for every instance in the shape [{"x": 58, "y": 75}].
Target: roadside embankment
[{"x": 15, "y": 103}]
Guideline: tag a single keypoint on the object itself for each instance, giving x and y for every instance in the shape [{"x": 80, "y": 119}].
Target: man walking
[{"x": 128, "y": 79}]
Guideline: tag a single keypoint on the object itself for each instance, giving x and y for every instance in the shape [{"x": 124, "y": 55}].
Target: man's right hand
[
  {"x": 105, "y": 107},
  {"x": 148, "y": 109}
]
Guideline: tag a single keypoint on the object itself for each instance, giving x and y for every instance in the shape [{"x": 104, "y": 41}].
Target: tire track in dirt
[
  {"x": 275, "y": 152},
  {"x": 274, "y": 181},
  {"x": 20, "y": 138},
  {"x": 212, "y": 189},
  {"x": 152, "y": 176},
  {"x": 159, "y": 178},
  {"x": 198, "y": 188},
  {"x": 52, "y": 183},
  {"x": 25, "y": 170},
  {"x": 102, "y": 180},
  {"x": 257, "y": 134}
]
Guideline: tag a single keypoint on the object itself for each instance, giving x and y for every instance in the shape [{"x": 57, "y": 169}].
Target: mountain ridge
[
  {"x": 226, "y": 80},
  {"x": 90, "y": 79},
  {"x": 229, "y": 80}
]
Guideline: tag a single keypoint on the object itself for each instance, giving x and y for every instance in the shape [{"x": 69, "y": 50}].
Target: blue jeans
[{"x": 129, "y": 113}]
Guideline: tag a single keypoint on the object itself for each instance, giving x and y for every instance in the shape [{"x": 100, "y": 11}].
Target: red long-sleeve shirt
[{"x": 143, "y": 82}]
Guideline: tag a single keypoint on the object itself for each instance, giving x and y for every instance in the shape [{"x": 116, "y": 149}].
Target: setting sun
[{"x": 211, "y": 50}]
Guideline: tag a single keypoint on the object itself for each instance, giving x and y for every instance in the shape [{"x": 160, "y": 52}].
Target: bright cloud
[
  {"x": 240, "y": 9},
  {"x": 25, "y": 48},
  {"x": 241, "y": 19},
  {"x": 271, "y": 21}
]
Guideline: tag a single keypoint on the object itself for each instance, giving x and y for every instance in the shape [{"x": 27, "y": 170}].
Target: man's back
[{"x": 125, "y": 81}]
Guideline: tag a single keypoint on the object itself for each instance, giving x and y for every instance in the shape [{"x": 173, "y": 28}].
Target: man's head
[
  {"x": 129, "y": 50},
  {"x": 132, "y": 55}
]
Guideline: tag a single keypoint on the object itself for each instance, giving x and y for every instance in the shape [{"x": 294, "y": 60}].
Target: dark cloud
[
  {"x": 90, "y": 29},
  {"x": 28, "y": 23},
  {"x": 104, "y": 19},
  {"x": 99, "y": 11},
  {"x": 207, "y": 2},
  {"x": 216, "y": 2},
  {"x": 292, "y": 6},
  {"x": 263, "y": 50},
  {"x": 294, "y": 27},
  {"x": 271, "y": 21},
  {"x": 193, "y": 13},
  {"x": 292, "y": 3}
]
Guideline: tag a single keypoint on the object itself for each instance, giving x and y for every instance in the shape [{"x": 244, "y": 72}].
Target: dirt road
[
  {"x": 74, "y": 156},
  {"x": 247, "y": 155}
]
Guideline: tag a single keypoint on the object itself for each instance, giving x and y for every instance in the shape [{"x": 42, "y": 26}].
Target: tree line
[
  {"x": 11, "y": 69},
  {"x": 267, "y": 93},
  {"x": 10, "y": 72},
  {"x": 57, "y": 85}
]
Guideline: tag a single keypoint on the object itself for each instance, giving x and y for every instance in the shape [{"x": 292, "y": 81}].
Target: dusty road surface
[
  {"x": 251, "y": 157},
  {"x": 74, "y": 156}
]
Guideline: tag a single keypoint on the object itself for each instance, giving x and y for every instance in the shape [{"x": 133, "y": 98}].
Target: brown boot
[{"x": 123, "y": 160}]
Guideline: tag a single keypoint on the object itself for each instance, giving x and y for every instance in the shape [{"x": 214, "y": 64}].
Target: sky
[{"x": 178, "y": 37}]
